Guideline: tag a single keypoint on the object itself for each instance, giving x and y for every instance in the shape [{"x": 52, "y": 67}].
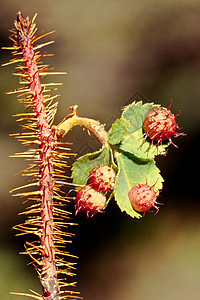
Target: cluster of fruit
[
  {"x": 159, "y": 125},
  {"x": 91, "y": 198}
]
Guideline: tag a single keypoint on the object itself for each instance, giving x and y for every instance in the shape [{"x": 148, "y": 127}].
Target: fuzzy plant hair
[{"x": 46, "y": 219}]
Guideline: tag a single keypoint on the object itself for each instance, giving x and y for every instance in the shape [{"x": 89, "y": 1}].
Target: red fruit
[
  {"x": 160, "y": 125},
  {"x": 142, "y": 197},
  {"x": 102, "y": 179},
  {"x": 89, "y": 201}
]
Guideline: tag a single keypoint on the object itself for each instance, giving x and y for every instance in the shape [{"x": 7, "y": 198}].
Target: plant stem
[
  {"x": 48, "y": 276},
  {"x": 74, "y": 120}
]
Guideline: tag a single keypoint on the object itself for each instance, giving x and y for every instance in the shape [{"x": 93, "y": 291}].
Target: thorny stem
[
  {"x": 47, "y": 142},
  {"x": 74, "y": 120},
  {"x": 45, "y": 218}
]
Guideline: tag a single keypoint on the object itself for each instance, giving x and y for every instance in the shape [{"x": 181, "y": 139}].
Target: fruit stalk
[{"x": 74, "y": 120}]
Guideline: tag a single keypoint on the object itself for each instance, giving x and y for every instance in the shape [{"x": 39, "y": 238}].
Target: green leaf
[
  {"x": 118, "y": 131},
  {"x": 131, "y": 172},
  {"x": 134, "y": 141},
  {"x": 84, "y": 164}
]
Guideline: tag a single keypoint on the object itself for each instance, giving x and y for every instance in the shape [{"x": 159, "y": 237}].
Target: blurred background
[{"x": 115, "y": 52}]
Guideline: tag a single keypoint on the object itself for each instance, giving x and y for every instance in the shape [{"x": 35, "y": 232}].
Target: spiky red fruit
[
  {"x": 89, "y": 201},
  {"x": 160, "y": 125},
  {"x": 142, "y": 197},
  {"x": 102, "y": 179}
]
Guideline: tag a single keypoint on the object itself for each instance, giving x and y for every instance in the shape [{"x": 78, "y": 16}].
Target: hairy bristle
[{"x": 47, "y": 219}]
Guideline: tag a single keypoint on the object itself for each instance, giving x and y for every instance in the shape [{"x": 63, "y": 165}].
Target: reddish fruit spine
[
  {"x": 102, "y": 179},
  {"x": 142, "y": 197},
  {"x": 89, "y": 200},
  {"x": 160, "y": 125}
]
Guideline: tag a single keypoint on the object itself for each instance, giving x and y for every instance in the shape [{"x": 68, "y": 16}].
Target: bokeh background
[{"x": 115, "y": 52}]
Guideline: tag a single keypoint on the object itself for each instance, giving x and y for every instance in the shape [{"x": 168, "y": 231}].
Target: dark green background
[{"x": 115, "y": 52}]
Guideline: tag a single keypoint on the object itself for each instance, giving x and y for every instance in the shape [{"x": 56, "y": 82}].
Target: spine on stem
[{"x": 46, "y": 218}]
